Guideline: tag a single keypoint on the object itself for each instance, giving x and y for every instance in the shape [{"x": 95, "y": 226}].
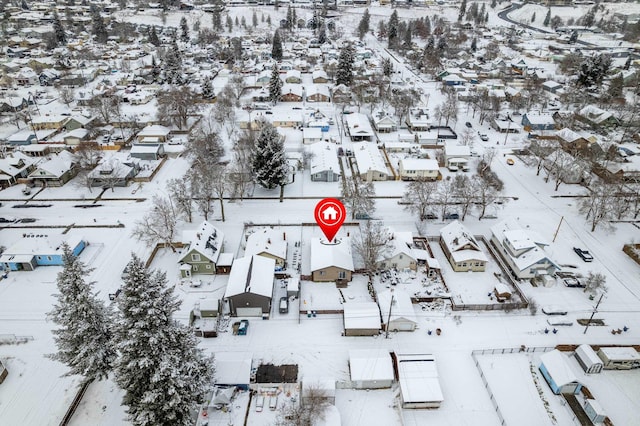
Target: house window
[
  {"x": 400, "y": 257},
  {"x": 195, "y": 268},
  {"x": 49, "y": 258},
  {"x": 39, "y": 257},
  {"x": 321, "y": 273},
  {"x": 195, "y": 257},
  {"x": 208, "y": 266},
  {"x": 464, "y": 264},
  {"x": 342, "y": 275}
]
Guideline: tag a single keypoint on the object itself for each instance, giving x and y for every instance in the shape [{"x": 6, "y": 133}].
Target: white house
[
  {"x": 419, "y": 382},
  {"x": 397, "y": 311},
  {"x": 311, "y": 135},
  {"x": 522, "y": 250},
  {"x": 358, "y": 127},
  {"x": 401, "y": 256},
  {"x": 457, "y": 156},
  {"x": 461, "y": 248},
  {"x": 370, "y": 368},
  {"x": 383, "y": 122},
  {"x": 269, "y": 243},
  {"x": 370, "y": 163},
  {"x": 419, "y": 168}
]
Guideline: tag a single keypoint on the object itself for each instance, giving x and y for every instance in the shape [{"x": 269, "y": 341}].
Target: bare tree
[
  {"x": 358, "y": 197},
  {"x": 372, "y": 244},
  {"x": 467, "y": 137},
  {"x": 597, "y": 206},
  {"x": 158, "y": 225},
  {"x": 180, "y": 191},
  {"x": 445, "y": 196},
  {"x": 539, "y": 150},
  {"x": 595, "y": 283},
  {"x": 486, "y": 194},
  {"x": 307, "y": 411},
  {"x": 88, "y": 155},
  {"x": 560, "y": 166},
  {"x": 221, "y": 184},
  {"x": 464, "y": 192},
  {"x": 176, "y": 105},
  {"x": 420, "y": 195},
  {"x": 66, "y": 95},
  {"x": 202, "y": 186}
]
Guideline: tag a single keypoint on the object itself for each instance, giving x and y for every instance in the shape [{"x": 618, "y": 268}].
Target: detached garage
[
  {"x": 370, "y": 369},
  {"x": 558, "y": 373},
  {"x": 250, "y": 287},
  {"x": 419, "y": 382},
  {"x": 397, "y": 311},
  {"x": 361, "y": 319}
]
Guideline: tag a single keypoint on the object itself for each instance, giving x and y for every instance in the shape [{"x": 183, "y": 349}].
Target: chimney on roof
[
  {"x": 284, "y": 236},
  {"x": 268, "y": 240}
]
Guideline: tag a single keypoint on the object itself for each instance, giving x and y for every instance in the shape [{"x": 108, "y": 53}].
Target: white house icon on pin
[{"x": 330, "y": 213}]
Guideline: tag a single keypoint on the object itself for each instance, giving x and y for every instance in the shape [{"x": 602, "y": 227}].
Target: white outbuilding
[{"x": 370, "y": 369}]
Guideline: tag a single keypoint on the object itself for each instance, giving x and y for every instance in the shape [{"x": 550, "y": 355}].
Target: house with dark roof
[{"x": 250, "y": 286}]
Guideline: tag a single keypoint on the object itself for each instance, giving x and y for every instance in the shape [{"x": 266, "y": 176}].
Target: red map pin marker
[{"x": 330, "y": 215}]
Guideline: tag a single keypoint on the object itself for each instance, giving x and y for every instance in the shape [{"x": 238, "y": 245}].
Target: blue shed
[
  {"x": 556, "y": 370},
  {"x": 34, "y": 250}
]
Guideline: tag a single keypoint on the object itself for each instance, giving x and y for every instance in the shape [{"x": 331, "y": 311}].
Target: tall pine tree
[
  {"x": 344, "y": 73},
  {"x": 269, "y": 162},
  {"x": 392, "y": 30},
  {"x": 83, "y": 338},
  {"x": 276, "y": 48},
  {"x": 275, "y": 85},
  {"x": 207, "y": 88},
  {"x": 184, "y": 30},
  {"x": 99, "y": 29},
  {"x": 363, "y": 26},
  {"x": 173, "y": 65},
  {"x": 153, "y": 36},
  {"x": 58, "y": 30},
  {"x": 162, "y": 372}
]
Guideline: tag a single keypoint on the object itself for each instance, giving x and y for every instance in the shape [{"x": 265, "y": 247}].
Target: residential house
[
  {"x": 112, "y": 173},
  {"x": 292, "y": 93},
  {"x": 397, "y": 311},
  {"x": 75, "y": 137},
  {"x": 532, "y": 122},
  {"x": 293, "y": 77},
  {"x": 370, "y": 162},
  {"x": 505, "y": 126},
  {"x": 383, "y": 122},
  {"x": 418, "y": 119},
  {"x": 79, "y": 122},
  {"x": 264, "y": 78},
  {"x": 419, "y": 168},
  {"x": 419, "y": 382},
  {"x": 202, "y": 250},
  {"x": 33, "y": 250},
  {"x": 311, "y": 135},
  {"x": 522, "y": 250},
  {"x": 56, "y": 171},
  {"x": 359, "y": 127},
  {"x": 269, "y": 243},
  {"x": 341, "y": 95},
  {"x": 370, "y": 369},
  {"x": 26, "y": 77},
  {"x": 147, "y": 151},
  {"x": 552, "y": 86},
  {"x": 457, "y": 156},
  {"x": 48, "y": 122},
  {"x": 48, "y": 77},
  {"x": 331, "y": 261},
  {"x": 317, "y": 93},
  {"x": 324, "y": 163},
  {"x": 13, "y": 104},
  {"x": 361, "y": 319},
  {"x": 462, "y": 249},
  {"x": 14, "y": 166},
  {"x": 250, "y": 286},
  {"x": 401, "y": 255},
  {"x": 596, "y": 117},
  {"x": 556, "y": 370},
  {"x": 319, "y": 77}
]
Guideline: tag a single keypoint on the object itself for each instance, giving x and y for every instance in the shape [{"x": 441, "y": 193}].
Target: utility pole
[
  {"x": 595, "y": 309},
  {"x": 557, "y": 230},
  {"x": 386, "y": 336}
]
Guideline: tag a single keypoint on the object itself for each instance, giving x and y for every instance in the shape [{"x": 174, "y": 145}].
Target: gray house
[
  {"x": 250, "y": 286},
  {"x": 324, "y": 163}
]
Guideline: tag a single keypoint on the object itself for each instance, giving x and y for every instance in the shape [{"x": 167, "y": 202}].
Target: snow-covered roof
[
  {"x": 540, "y": 119},
  {"x": 324, "y": 157},
  {"x": 56, "y": 166},
  {"x": 418, "y": 377},
  {"x": 427, "y": 164},
  {"x": 510, "y": 231},
  {"x": 456, "y": 237},
  {"x": 154, "y": 130},
  {"x": 402, "y": 243},
  {"x": 623, "y": 353},
  {"x": 39, "y": 244},
  {"x": 368, "y": 157},
  {"x": 361, "y": 315},
  {"x": 233, "y": 368},
  {"x": 268, "y": 241},
  {"x": 457, "y": 151},
  {"x": 14, "y": 163},
  {"x": 206, "y": 240},
  {"x": 370, "y": 364},
  {"x": 338, "y": 254},
  {"x": 358, "y": 125},
  {"x": 401, "y": 308},
  {"x": 558, "y": 367},
  {"x": 251, "y": 274},
  {"x": 588, "y": 355}
]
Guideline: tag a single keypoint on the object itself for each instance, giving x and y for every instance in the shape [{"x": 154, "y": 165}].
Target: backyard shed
[
  {"x": 233, "y": 369},
  {"x": 370, "y": 369},
  {"x": 361, "y": 319},
  {"x": 588, "y": 359},
  {"x": 419, "y": 383},
  {"x": 619, "y": 358},
  {"x": 397, "y": 311},
  {"x": 594, "y": 411},
  {"x": 556, "y": 370}
]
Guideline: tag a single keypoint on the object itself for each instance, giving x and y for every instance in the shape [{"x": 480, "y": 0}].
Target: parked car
[
  {"x": 284, "y": 305},
  {"x": 510, "y": 161},
  {"x": 572, "y": 282},
  {"x": 429, "y": 216},
  {"x": 468, "y": 124},
  {"x": 6, "y": 220},
  {"x": 452, "y": 216},
  {"x": 243, "y": 327},
  {"x": 584, "y": 254},
  {"x": 484, "y": 137},
  {"x": 553, "y": 310}
]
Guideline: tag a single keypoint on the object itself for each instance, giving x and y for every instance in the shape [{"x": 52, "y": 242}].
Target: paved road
[{"x": 504, "y": 15}]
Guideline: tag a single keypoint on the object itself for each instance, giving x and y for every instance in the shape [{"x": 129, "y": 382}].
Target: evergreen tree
[
  {"x": 392, "y": 30},
  {"x": 592, "y": 71},
  {"x": 289, "y": 19},
  {"x": 162, "y": 372},
  {"x": 153, "y": 36},
  {"x": 344, "y": 73},
  {"x": 275, "y": 84},
  {"x": 547, "y": 18},
  {"x": 207, "y": 88},
  {"x": 184, "y": 30},
  {"x": 58, "y": 29},
  {"x": 99, "y": 29},
  {"x": 237, "y": 22},
  {"x": 216, "y": 15},
  {"x": 254, "y": 19},
  {"x": 243, "y": 22},
  {"x": 229, "y": 23},
  {"x": 322, "y": 35},
  {"x": 269, "y": 163},
  {"x": 616, "y": 86},
  {"x": 363, "y": 26},
  {"x": 387, "y": 67},
  {"x": 155, "y": 69},
  {"x": 494, "y": 3},
  {"x": 407, "y": 38},
  {"x": 294, "y": 17},
  {"x": 276, "y": 49},
  {"x": 84, "y": 337},
  {"x": 463, "y": 10},
  {"x": 474, "y": 44},
  {"x": 173, "y": 65}
]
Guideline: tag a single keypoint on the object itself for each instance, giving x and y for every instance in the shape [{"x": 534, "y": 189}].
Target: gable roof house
[
  {"x": 331, "y": 261},
  {"x": 32, "y": 251},
  {"x": 56, "y": 171},
  {"x": 596, "y": 117},
  {"x": 418, "y": 119},
  {"x": 112, "y": 173},
  {"x": 358, "y": 127},
  {"x": 324, "y": 163},
  {"x": 319, "y": 77},
  {"x": 250, "y": 286},
  {"x": 401, "y": 256},
  {"x": 317, "y": 93},
  {"x": 269, "y": 243},
  {"x": 292, "y": 93},
  {"x": 383, "y": 122},
  {"x": 370, "y": 163},
  {"x": 14, "y": 166},
  {"x": 462, "y": 249},
  {"x": 536, "y": 122},
  {"x": 522, "y": 250},
  {"x": 202, "y": 251},
  {"x": 293, "y": 76},
  {"x": 153, "y": 134}
]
